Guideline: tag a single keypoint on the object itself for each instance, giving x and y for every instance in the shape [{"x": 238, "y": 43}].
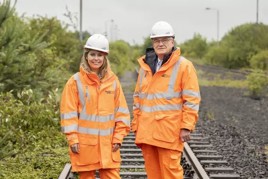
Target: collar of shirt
[{"x": 159, "y": 63}]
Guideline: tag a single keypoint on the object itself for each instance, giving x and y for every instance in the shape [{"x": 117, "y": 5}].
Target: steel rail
[{"x": 190, "y": 156}]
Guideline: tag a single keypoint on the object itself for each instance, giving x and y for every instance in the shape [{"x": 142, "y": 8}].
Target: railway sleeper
[
  {"x": 224, "y": 176},
  {"x": 193, "y": 142},
  {"x": 123, "y": 155},
  {"x": 214, "y": 162},
  {"x": 194, "y": 146},
  {"x": 128, "y": 145},
  {"x": 219, "y": 169},
  {"x": 134, "y": 149},
  {"x": 209, "y": 157},
  {"x": 132, "y": 166},
  {"x": 206, "y": 151}
]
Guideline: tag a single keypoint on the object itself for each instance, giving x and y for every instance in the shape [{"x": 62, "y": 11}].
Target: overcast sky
[{"x": 131, "y": 20}]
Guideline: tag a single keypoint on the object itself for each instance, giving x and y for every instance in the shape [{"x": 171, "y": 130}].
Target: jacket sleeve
[
  {"x": 191, "y": 97},
  {"x": 122, "y": 116},
  {"x": 136, "y": 105},
  {"x": 69, "y": 111}
]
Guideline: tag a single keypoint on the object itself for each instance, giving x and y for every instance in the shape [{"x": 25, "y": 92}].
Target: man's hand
[
  {"x": 116, "y": 147},
  {"x": 75, "y": 148},
  {"x": 185, "y": 135}
]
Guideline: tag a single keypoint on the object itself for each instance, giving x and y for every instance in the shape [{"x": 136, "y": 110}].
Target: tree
[
  {"x": 243, "y": 42},
  {"x": 121, "y": 57},
  {"x": 196, "y": 47}
]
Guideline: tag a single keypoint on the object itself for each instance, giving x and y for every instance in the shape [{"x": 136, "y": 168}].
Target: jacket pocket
[
  {"x": 116, "y": 156},
  {"x": 175, "y": 160},
  {"x": 166, "y": 129},
  {"x": 88, "y": 151}
]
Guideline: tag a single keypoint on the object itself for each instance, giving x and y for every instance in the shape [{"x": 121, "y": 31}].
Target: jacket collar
[
  {"x": 149, "y": 60},
  {"x": 91, "y": 77}
]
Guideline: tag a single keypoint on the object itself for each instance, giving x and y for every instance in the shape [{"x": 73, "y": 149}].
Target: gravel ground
[
  {"x": 238, "y": 127},
  {"x": 236, "y": 124}
]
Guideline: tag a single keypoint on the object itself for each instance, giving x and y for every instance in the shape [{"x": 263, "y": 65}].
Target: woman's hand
[
  {"x": 116, "y": 147},
  {"x": 75, "y": 148}
]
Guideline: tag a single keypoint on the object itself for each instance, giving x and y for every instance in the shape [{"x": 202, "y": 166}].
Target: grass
[{"x": 212, "y": 79}]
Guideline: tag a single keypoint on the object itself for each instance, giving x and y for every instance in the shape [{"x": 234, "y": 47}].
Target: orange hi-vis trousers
[
  {"x": 109, "y": 173},
  {"x": 161, "y": 163}
]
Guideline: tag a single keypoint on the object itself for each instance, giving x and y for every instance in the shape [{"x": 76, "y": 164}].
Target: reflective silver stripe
[
  {"x": 80, "y": 89},
  {"x": 67, "y": 129},
  {"x": 87, "y": 117},
  {"x": 161, "y": 107},
  {"x": 122, "y": 110},
  {"x": 161, "y": 95},
  {"x": 191, "y": 93},
  {"x": 125, "y": 121},
  {"x": 141, "y": 77},
  {"x": 192, "y": 106},
  {"x": 101, "y": 132},
  {"x": 173, "y": 76},
  {"x": 142, "y": 95},
  {"x": 69, "y": 115}
]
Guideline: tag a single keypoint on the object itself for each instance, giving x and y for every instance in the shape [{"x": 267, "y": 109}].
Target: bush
[
  {"x": 31, "y": 142},
  {"x": 195, "y": 48},
  {"x": 239, "y": 45},
  {"x": 260, "y": 60},
  {"x": 216, "y": 56},
  {"x": 257, "y": 84}
]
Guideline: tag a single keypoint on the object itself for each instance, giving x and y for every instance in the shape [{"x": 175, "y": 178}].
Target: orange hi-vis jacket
[
  {"x": 94, "y": 114},
  {"x": 165, "y": 102}
]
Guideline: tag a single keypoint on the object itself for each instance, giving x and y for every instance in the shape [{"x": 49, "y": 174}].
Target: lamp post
[
  {"x": 108, "y": 29},
  {"x": 218, "y": 21},
  {"x": 257, "y": 12},
  {"x": 80, "y": 31},
  {"x": 111, "y": 30}
]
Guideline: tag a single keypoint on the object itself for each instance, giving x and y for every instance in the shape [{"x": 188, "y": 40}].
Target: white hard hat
[
  {"x": 162, "y": 29},
  {"x": 98, "y": 42}
]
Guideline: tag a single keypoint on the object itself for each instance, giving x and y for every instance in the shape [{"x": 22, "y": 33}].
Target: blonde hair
[{"x": 103, "y": 69}]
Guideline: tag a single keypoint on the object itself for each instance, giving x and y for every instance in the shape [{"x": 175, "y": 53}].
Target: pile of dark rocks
[{"x": 237, "y": 126}]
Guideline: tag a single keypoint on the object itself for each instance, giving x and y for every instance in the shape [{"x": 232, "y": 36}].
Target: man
[{"x": 166, "y": 103}]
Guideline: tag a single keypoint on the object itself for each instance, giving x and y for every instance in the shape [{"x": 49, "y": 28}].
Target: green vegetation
[
  {"x": 38, "y": 55},
  {"x": 244, "y": 47},
  {"x": 31, "y": 144},
  {"x": 257, "y": 82}
]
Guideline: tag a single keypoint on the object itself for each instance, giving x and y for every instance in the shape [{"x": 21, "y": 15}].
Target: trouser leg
[
  {"x": 169, "y": 161},
  {"x": 87, "y": 175},
  {"x": 152, "y": 167},
  {"x": 110, "y": 173}
]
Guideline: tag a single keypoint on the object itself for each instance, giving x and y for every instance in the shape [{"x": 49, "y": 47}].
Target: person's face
[
  {"x": 95, "y": 60},
  {"x": 162, "y": 45}
]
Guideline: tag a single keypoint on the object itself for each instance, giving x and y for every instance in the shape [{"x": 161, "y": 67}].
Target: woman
[{"x": 94, "y": 114}]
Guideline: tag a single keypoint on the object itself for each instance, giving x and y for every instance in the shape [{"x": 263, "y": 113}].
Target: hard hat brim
[
  {"x": 156, "y": 36},
  {"x": 98, "y": 49}
]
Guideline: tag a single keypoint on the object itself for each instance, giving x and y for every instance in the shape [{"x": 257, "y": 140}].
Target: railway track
[{"x": 200, "y": 160}]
